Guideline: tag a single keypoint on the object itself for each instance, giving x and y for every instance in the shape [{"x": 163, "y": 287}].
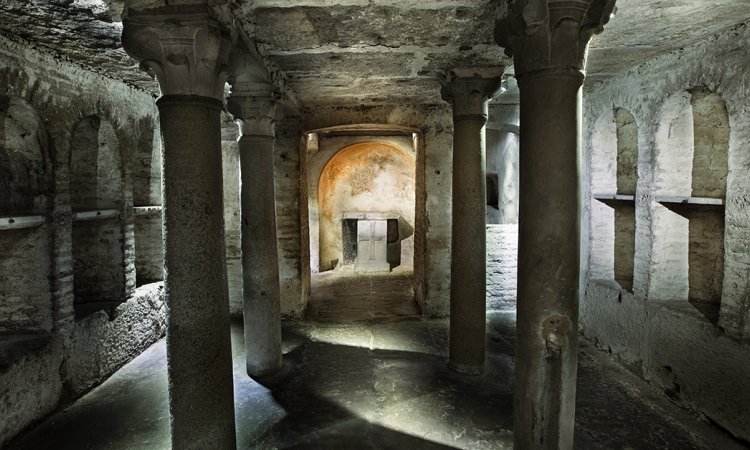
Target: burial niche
[
  {"x": 25, "y": 254},
  {"x": 614, "y": 179},
  {"x": 149, "y": 254},
  {"x": 96, "y": 195},
  {"x": 692, "y": 167}
]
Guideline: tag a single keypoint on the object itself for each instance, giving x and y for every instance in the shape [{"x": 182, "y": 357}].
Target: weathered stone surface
[
  {"x": 85, "y": 32},
  {"x": 62, "y": 94},
  {"x": 657, "y": 331},
  {"x": 31, "y": 386},
  {"x": 101, "y": 344},
  {"x": 642, "y": 30},
  {"x": 502, "y": 266}
]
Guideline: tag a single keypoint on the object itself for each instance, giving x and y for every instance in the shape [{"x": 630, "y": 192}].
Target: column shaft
[
  {"x": 548, "y": 263},
  {"x": 468, "y": 260},
  {"x": 260, "y": 265},
  {"x": 201, "y": 401}
]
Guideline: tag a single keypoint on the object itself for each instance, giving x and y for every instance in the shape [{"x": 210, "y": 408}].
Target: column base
[{"x": 274, "y": 377}]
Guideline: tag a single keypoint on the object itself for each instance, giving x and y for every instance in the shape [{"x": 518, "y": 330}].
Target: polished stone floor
[{"x": 373, "y": 384}]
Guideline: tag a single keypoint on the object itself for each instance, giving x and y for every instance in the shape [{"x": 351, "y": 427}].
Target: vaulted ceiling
[{"x": 363, "y": 52}]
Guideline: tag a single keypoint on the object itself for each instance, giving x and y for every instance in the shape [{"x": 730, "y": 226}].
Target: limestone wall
[
  {"x": 50, "y": 347},
  {"x": 502, "y": 266},
  {"x": 668, "y": 330}
]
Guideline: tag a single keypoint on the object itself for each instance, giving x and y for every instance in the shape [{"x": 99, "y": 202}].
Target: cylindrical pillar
[
  {"x": 549, "y": 46},
  {"x": 469, "y": 93},
  {"x": 201, "y": 401},
  {"x": 187, "y": 50},
  {"x": 468, "y": 261},
  {"x": 253, "y": 103},
  {"x": 548, "y": 262},
  {"x": 260, "y": 265}
]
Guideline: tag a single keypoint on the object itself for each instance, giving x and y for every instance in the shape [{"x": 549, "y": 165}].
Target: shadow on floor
[{"x": 378, "y": 386}]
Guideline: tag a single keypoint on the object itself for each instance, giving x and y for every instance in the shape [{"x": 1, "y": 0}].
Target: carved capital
[
  {"x": 551, "y": 34},
  {"x": 187, "y": 52},
  {"x": 255, "y": 109},
  {"x": 468, "y": 90}
]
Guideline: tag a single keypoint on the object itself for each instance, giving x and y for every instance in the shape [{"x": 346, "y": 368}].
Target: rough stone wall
[
  {"x": 432, "y": 257},
  {"x": 502, "y": 228},
  {"x": 288, "y": 233},
  {"x": 98, "y": 268},
  {"x": 25, "y": 290},
  {"x": 711, "y": 130},
  {"x": 30, "y": 386},
  {"x": 62, "y": 95},
  {"x": 230, "y": 152},
  {"x": 149, "y": 251},
  {"x": 502, "y": 266},
  {"x": 502, "y": 161},
  {"x": 102, "y": 343},
  {"x": 655, "y": 330}
]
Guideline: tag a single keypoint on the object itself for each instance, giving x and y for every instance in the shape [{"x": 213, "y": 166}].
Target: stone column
[
  {"x": 187, "y": 53},
  {"x": 548, "y": 39},
  {"x": 468, "y": 90},
  {"x": 253, "y": 105}
]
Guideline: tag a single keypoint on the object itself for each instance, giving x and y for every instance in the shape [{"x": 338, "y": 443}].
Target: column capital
[
  {"x": 468, "y": 90},
  {"x": 254, "y": 99},
  {"x": 255, "y": 111},
  {"x": 551, "y": 34},
  {"x": 186, "y": 51}
]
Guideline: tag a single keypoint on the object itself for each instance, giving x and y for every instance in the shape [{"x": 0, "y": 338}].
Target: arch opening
[
  {"x": 25, "y": 232},
  {"x": 692, "y": 145},
  {"x": 96, "y": 193}
]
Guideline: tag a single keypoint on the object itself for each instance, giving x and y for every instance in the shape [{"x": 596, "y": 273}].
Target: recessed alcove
[
  {"x": 690, "y": 196},
  {"x": 614, "y": 181},
  {"x": 366, "y": 178},
  {"x": 149, "y": 253},
  {"x": 96, "y": 195},
  {"x": 364, "y": 224},
  {"x": 25, "y": 232}
]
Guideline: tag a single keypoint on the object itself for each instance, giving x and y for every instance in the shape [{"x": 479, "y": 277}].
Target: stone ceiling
[{"x": 362, "y": 52}]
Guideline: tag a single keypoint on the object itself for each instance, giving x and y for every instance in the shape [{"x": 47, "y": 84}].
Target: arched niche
[
  {"x": 25, "y": 234},
  {"x": 366, "y": 177},
  {"x": 692, "y": 144},
  {"x": 711, "y": 144},
  {"x": 149, "y": 253},
  {"x": 96, "y": 194},
  {"x": 614, "y": 168},
  {"x": 626, "y": 130},
  {"x": 95, "y": 166},
  {"x": 24, "y": 180},
  {"x": 674, "y": 147}
]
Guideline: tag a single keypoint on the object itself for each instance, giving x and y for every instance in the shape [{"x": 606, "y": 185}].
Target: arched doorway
[{"x": 363, "y": 221}]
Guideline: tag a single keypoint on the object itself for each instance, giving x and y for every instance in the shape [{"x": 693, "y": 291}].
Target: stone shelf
[
  {"x": 616, "y": 200},
  {"x": 146, "y": 210},
  {"x": 23, "y": 221},
  {"x": 707, "y": 201},
  {"x": 614, "y": 197},
  {"x": 97, "y": 214}
]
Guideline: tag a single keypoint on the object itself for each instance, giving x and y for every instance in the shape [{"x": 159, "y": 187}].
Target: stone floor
[
  {"x": 376, "y": 383},
  {"x": 344, "y": 296}
]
